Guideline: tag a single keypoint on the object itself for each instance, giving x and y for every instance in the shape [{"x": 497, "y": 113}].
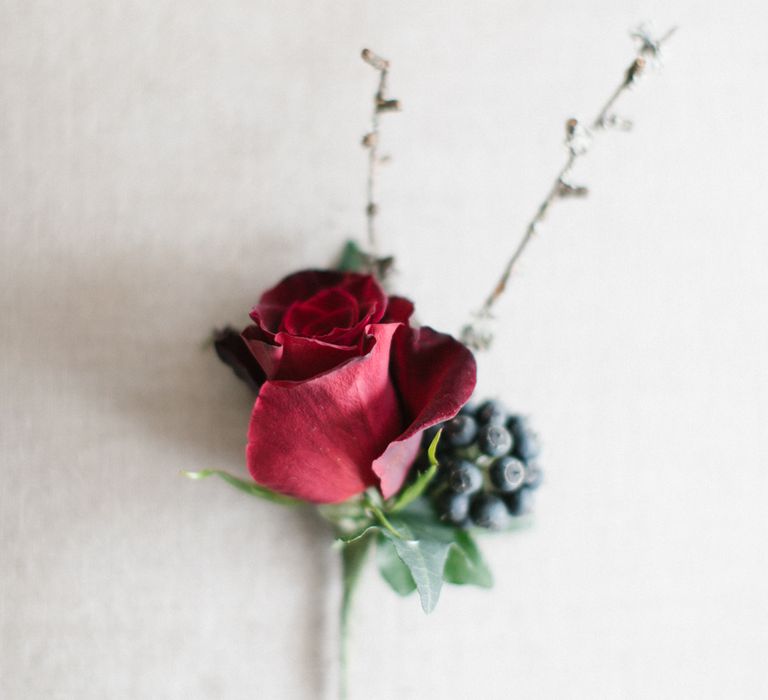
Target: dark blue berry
[
  {"x": 460, "y": 431},
  {"x": 464, "y": 477},
  {"x": 488, "y": 511},
  {"x": 494, "y": 440},
  {"x": 492, "y": 413},
  {"x": 519, "y": 502},
  {"x": 468, "y": 409},
  {"x": 508, "y": 474},
  {"x": 453, "y": 507},
  {"x": 526, "y": 442},
  {"x": 438, "y": 481},
  {"x": 533, "y": 475}
]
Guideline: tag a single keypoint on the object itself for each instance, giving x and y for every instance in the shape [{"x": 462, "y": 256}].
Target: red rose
[{"x": 349, "y": 387}]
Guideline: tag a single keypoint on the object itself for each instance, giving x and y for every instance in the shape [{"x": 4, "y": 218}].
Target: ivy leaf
[
  {"x": 249, "y": 487},
  {"x": 417, "y": 488},
  {"x": 352, "y": 258},
  {"x": 392, "y": 568},
  {"x": 465, "y": 564},
  {"x": 425, "y": 560},
  {"x": 423, "y": 547}
]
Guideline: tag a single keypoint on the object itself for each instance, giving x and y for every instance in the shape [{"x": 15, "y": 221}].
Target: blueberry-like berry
[
  {"x": 533, "y": 475},
  {"x": 464, "y": 477},
  {"x": 519, "y": 502},
  {"x": 491, "y": 413},
  {"x": 453, "y": 507},
  {"x": 488, "y": 511},
  {"x": 494, "y": 440},
  {"x": 488, "y": 467},
  {"x": 460, "y": 431},
  {"x": 526, "y": 442},
  {"x": 507, "y": 474}
]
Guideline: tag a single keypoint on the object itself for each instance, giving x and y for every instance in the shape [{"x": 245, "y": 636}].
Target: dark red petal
[
  {"x": 399, "y": 310},
  {"x": 300, "y": 286},
  {"x": 233, "y": 351},
  {"x": 296, "y": 287},
  {"x": 322, "y": 313},
  {"x": 369, "y": 294},
  {"x": 435, "y": 376},
  {"x": 293, "y": 358},
  {"x": 263, "y": 347},
  {"x": 316, "y": 440},
  {"x": 303, "y": 358}
]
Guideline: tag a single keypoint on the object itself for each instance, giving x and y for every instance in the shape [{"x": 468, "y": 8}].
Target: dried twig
[
  {"x": 577, "y": 140},
  {"x": 381, "y": 104}
]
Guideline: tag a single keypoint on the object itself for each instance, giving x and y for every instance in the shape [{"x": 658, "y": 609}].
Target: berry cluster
[{"x": 488, "y": 467}]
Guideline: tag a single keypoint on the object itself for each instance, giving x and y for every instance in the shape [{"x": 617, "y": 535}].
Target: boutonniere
[{"x": 369, "y": 417}]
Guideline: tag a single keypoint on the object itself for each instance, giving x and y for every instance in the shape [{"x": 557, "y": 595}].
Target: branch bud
[
  {"x": 634, "y": 71},
  {"x": 374, "y": 60},
  {"x": 387, "y": 105},
  {"x": 566, "y": 189}
]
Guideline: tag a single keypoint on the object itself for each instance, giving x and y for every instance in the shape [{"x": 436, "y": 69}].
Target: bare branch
[
  {"x": 381, "y": 104},
  {"x": 577, "y": 140}
]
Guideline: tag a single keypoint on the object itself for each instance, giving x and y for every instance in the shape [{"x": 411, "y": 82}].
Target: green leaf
[
  {"x": 423, "y": 547},
  {"x": 249, "y": 487},
  {"x": 425, "y": 560},
  {"x": 392, "y": 568},
  {"x": 465, "y": 564},
  {"x": 417, "y": 488},
  {"x": 432, "y": 449},
  {"x": 352, "y": 258},
  {"x": 419, "y": 518}
]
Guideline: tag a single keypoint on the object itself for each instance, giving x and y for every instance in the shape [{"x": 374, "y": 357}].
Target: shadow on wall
[{"x": 117, "y": 337}]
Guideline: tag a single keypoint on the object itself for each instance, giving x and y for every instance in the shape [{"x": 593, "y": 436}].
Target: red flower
[{"x": 349, "y": 388}]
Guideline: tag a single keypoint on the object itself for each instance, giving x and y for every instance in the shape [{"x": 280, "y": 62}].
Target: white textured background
[{"x": 162, "y": 162}]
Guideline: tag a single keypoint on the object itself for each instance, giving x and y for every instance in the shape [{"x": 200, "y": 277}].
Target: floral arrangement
[{"x": 366, "y": 415}]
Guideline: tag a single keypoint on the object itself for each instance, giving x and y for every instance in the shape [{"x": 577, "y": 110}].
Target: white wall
[{"x": 162, "y": 162}]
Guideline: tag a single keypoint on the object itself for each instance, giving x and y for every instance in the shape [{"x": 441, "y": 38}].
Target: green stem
[
  {"x": 353, "y": 557},
  {"x": 378, "y": 513}
]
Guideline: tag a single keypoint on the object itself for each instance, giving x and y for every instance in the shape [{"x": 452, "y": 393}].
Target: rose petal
[
  {"x": 233, "y": 351},
  {"x": 322, "y": 313},
  {"x": 302, "y": 285},
  {"x": 369, "y": 294},
  {"x": 399, "y": 310},
  {"x": 293, "y": 358},
  {"x": 435, "y": 376},
  {"x": 296, "y": 287},
  {"x": 393, "y": 465},
  {"x": 316, "y": 440},
  {"x": 262, "y": 345}
]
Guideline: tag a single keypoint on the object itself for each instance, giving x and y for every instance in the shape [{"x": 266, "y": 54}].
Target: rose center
[{"x": 321, "y": 314}]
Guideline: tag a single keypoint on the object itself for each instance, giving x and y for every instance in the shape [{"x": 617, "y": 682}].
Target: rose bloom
[{"x": 345, "y": 385}]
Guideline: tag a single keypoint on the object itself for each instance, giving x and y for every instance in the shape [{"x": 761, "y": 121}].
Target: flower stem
[{"x": 353, "y": 558}]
